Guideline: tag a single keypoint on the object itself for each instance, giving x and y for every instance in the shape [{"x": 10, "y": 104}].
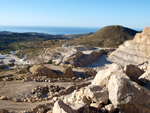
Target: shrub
[
  {"x": 50, "y": 61},
  {"x": 1, "y": 68},
  {"x": 11, "y": 64}
]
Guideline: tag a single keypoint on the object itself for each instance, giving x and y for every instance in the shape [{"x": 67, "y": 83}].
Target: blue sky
[{"x": 75, "y": 13}]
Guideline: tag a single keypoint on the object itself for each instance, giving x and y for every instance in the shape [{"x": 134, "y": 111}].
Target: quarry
[{"x": 79, "y": 79}]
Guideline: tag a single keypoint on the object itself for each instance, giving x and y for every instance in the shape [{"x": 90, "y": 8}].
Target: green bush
[
  {"x": 1, "y": 68},
  {"x": 11, "y": 64},
  {"x": 50, "y": 61}
]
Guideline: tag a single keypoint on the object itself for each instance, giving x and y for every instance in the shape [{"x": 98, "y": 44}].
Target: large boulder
[
  {"x": 80, "y": 107},
  {"x": 145, "y": 78},
  {"x": 40, "y": 70},
  {"x": 103, "y": 76},
  {"x": 61, "y": 107},
  {"x": 68, "y": 73},
  {"x": 133, "y": 72},
  {"x": 96, "y": 94},
  {"x": 128, "y": 96}
]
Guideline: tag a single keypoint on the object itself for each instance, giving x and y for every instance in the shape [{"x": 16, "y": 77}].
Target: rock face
[
  {"x": 128, "y": 96},
  {"x": 79, "y": 59},
  {"x": 134, "y": 51}
]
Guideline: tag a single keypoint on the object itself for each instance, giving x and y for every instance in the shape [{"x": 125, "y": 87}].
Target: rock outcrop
[
  {"x": 134, "y": 51},
  {"x": 79, "y": 59}
]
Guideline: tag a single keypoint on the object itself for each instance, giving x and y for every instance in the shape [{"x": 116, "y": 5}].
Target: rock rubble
[{"x": 115, "y": 89}]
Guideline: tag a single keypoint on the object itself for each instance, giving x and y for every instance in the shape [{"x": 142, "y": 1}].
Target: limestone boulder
[
  {"x": 128, "y": 96},
  {"x": 97, "y": 94},
  {"x": 145, "y": 78},
  {"x": 61, "y": 107},
  {"x": 103, "y": 76},
  {"x": 80, "y": 107},
  {"x": 133, "y": 72}
]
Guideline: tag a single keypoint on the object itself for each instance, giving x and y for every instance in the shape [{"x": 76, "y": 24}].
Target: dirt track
[{"x": 10, "y": 88}]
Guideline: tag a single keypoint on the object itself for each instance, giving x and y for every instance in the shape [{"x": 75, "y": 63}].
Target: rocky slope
[
  {"x": 109, "y": 36},
  {"x": 133, "y": 51}
]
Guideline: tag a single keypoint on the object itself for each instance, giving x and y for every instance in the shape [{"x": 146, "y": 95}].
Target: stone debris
[{"x": 39, "y": 93}]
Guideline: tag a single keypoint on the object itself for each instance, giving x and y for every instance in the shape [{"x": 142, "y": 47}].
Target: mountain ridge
[{"x": 109, "y": 36}]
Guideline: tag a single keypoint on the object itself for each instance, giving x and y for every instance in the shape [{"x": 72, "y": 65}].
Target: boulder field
[{"x": 113, "y": 90}]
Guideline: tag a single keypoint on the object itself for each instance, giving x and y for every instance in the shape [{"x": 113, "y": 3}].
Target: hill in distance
[{"x": 109, "y": 36}]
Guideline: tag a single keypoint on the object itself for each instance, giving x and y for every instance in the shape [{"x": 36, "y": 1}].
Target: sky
[{"x": 75, "y": 13}]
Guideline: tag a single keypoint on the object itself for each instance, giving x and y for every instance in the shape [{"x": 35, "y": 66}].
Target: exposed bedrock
[{"x": 133, "y": 51}]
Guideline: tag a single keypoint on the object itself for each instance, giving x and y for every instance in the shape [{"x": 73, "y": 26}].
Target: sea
[{"x": 49, "y": 30}]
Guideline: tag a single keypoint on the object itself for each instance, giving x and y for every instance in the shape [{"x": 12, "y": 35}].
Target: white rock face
[
  {"x": 145, "y": 78},
  {"x": 128, "y": 96},
  {"x": 103, "y": 76},
  {"x": 133, "y": 51},
  {"x": 96, "y": 93}
]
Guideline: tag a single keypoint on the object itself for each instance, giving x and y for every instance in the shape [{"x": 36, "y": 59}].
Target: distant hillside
[
  {"x": 7, "y": 38},
  {"x": 109, "y": 36}
]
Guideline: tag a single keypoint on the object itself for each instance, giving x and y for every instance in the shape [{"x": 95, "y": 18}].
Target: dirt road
[{"x": 9, "y": 88}]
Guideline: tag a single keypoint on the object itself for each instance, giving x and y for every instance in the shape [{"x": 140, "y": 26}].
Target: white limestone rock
[
  {"x": 128, "y": 96},
  {"x": 97, "y": 94},
  {"x": 61, "y": 107},
  {"x": 103, "y": 76}
]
